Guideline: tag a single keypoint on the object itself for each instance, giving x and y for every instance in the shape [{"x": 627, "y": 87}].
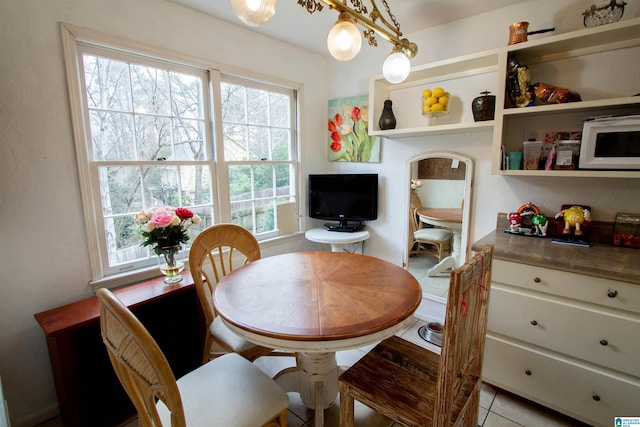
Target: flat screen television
[{"x": 345, "y": 198}]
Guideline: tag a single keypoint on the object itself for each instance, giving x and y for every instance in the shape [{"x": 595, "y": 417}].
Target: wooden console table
[{"x": 88, "y": 391}]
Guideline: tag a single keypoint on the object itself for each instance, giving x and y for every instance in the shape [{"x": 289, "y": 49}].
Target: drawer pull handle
[
  {"x": 528, "y": 372},
  {"x": 612, "y": 293},
  {"x": 596, "y": 398},
  {"x": 537, "y": 280},
  {"x": 534, "y": 323},
  {"x": 604, "y": 342}
]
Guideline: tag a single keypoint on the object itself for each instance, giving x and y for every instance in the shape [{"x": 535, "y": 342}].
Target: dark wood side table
[{"x": 88, "y": 391}]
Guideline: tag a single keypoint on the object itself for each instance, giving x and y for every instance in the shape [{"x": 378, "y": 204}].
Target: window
[{"x": 146, "y": 135}]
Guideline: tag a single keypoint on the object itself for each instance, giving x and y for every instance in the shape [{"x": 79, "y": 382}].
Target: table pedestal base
[{"x": 315, "y": 379}]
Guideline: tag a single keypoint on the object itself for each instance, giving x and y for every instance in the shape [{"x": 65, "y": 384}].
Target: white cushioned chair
[
  {"x": 228, "y": 391},
  {"x": 427, "y": 240}
]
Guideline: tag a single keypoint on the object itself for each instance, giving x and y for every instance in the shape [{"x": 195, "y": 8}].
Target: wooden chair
[
  {"x": 213, "y": 255},
  {"x": 438, "y": 238},
  {"x": 227, "y": 391},
  {"x": 416, "y": 387}
]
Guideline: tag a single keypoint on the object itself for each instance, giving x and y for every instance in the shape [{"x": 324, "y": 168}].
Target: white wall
[
  {"x": 491, "y": 194},
  {"x": 43, "y": 255},
  {"x": 43, "y": 252}
]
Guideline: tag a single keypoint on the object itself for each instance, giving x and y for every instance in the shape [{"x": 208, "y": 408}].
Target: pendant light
[
  {"x": 254, "y": 13},
  {"x": 396, "y": 67},
  {"x": 344, "y": 40}
]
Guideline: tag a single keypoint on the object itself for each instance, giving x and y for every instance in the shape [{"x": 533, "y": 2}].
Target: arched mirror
[{"x": 439, "y": 209}]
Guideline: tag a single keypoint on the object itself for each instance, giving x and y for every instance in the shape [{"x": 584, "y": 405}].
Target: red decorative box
[{"x": 627, "y": 230}]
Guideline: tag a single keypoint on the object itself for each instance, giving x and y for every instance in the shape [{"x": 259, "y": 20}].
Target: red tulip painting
[{"x": 348, "y": 125}]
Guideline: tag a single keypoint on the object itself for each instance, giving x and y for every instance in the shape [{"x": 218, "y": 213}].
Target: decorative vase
[
  {"x": 484, "y": 107},
  {"x": 387, "y": 119},
  {"x": 170, "y": 263}
]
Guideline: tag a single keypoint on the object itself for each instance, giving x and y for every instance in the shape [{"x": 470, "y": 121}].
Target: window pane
[
  {"x": 189, "y": 139},
  {"x": 196, "y": 185},
  {"x": 186, "y": 96},
  {"x": 233, "y": 103},
  {"x": 123, "y": 241},
  {"x": 161, "y": 186},
  {"x": 258, "y": 143},
  {"x": 280, "y": 110},
  {"x": 111, "y": 136},
  {"x": 280, "y": 143},
  {"x": 150, "y": 90},
  {"x": 121, "y": 189},
  {"x": 284, "y": 176},
  {"x": 235, "y": 142},
  {"x": 240, "y": 182},
  {"x": 263, "y": 181},
  {"x": 153, "y": 138},
  {"x": 107, "y": 83},
  {"x": 258, "y": 106},
  {"x": 265, "y": 216}
]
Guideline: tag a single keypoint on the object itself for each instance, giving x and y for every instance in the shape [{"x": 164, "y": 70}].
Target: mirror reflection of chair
[
  {"x": 227, "y": 391},
  {"x": 415, "y": 386},
  {"x": 432, "y": 240},
  {"x": 213, "y": 255}
]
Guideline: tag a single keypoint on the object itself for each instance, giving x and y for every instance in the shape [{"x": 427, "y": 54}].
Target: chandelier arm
[
  {"x": 391, "y": 35},
  {"x": 375, "y": 14}
]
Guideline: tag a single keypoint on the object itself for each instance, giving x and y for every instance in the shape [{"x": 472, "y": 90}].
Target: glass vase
[{"x": 171, "y": 263}]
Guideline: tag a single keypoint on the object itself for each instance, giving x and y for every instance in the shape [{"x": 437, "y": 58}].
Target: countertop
[{"x": 599, "y": 259}]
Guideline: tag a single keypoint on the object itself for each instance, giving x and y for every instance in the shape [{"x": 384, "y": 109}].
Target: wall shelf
[{"x": 600, "y": 63}]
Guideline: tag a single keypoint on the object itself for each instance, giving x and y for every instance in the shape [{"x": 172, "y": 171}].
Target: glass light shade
[
  {"x": 396, "y": 67},
  {"x": 344, "y": 40},
  {"x": 254, "y": 12}
]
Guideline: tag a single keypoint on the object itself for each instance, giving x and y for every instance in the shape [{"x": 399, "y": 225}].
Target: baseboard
[{"x": 38, "y": 417}]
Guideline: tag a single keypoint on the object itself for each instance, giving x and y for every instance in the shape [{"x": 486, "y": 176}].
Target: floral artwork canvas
[{"x": 349, "y": 139}]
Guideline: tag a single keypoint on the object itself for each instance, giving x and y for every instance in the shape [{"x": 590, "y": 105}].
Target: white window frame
[{"x": 73, "y": 37}]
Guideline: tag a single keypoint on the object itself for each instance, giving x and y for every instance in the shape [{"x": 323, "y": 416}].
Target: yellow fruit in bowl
[
  {"x": 437, "y": 107},
  {"x": 444, "y": 100},
  {"x": 426, "y": 93},
  {"x": 438, "y": 91},
  {"x": 431, "y": 100}
]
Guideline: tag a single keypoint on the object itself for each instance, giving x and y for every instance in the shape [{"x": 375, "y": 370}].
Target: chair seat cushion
[
  {"x": 222, "y": 333},
  {"x": 433, "y": 234},
  {"x": 227, "y": 391}
]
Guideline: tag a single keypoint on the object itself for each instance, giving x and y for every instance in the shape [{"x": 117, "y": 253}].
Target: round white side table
[{"x": 336, "y": 239}]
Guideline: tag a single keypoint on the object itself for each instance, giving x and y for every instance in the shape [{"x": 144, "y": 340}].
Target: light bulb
[
  {"x": 396, "y": 67},
  {"x": 254, "y": 12},
  {"x": 344, "y": 40}
]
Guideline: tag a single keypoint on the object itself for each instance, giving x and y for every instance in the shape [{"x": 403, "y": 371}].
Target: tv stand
[
  {"x": 344, "y": 227},
  {"x": 338, "y": 240}
]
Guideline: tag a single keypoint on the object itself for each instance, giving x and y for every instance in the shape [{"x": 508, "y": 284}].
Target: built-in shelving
[{"x": 599, "y": 63}]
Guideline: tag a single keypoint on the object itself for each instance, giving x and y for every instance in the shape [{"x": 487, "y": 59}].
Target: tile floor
[{"x": 497, "y": 408}]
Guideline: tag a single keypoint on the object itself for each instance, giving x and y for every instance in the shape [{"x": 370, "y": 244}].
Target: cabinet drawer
[
  {"x": 606, "y": 338},
  {"x": 584, "y": 393},
  {"x": 595, "y": 290}
]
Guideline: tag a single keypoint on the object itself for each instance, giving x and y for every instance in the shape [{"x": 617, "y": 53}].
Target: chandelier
[{"x": 344, "y": 39}]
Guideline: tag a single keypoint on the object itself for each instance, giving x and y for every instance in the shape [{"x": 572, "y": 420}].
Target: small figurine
[
  {"x": 573, "y": 218},
  {"x": 515, "y": 220},
  {"x": 540, "y": 224}
]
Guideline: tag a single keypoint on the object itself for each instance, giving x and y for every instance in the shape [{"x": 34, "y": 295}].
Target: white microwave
[{"x": 611, "y": 142}]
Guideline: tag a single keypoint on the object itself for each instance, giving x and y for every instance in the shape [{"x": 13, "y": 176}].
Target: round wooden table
[{"x": 316, "y": 303}]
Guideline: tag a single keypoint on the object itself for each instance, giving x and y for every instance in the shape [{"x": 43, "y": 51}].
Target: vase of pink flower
[
  {"x": 415, "y": 184},
  {"x": 164, "y": 228}
]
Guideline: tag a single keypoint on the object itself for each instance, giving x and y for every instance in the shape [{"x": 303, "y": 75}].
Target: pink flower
[
  {"x": 161, "y": 220},
  {"x": 184, "y": 213}
]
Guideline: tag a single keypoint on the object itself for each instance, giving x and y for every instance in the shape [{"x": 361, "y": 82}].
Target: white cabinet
[
  {"x": 565, "y": 340},
  {"x": 600, "y": 63}
]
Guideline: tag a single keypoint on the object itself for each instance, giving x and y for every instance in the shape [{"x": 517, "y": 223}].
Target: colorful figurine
[
  {"x": 540, "y": 224},
  {"x": 573, "y": 218}
]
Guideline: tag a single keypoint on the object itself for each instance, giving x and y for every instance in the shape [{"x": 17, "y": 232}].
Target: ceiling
[{"x": 293, "y": 24}]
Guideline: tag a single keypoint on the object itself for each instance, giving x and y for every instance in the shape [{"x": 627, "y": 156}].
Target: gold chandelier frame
[{"x": 359, "y": 12}]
